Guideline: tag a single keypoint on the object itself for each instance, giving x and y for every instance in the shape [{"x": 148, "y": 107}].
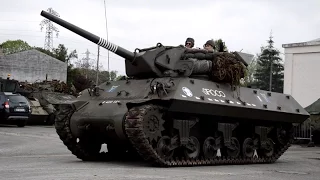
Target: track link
[
  {"x": 86, "y": 153},
  {"x": 137, "y": 137}
]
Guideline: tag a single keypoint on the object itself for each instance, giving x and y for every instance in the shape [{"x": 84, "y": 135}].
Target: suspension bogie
[
  {"x": 171, "y": 140},
  {"x": 199, "y": 140}
]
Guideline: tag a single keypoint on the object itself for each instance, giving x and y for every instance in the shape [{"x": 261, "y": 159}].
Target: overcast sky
[{"x": 244, "y": 24}]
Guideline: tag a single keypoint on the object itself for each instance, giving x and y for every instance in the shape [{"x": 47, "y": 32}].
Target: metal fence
[{"x": 303, "y": 131}]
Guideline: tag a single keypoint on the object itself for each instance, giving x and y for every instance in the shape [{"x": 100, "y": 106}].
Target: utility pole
[
  {"x": 97, "y": 80},
  {"x": 48, "y": 43}
]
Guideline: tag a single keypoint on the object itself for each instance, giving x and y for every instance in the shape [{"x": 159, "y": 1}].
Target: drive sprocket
[{"x": 153, "y": 124}]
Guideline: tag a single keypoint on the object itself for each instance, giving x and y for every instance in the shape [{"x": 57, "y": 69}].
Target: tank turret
[{"x": 164, "y": 61}]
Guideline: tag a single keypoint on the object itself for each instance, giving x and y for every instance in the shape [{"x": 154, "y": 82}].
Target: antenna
[
  {"x": 48, "y": 43},
  {"x": 97, "y": 75},
  {"x": 105, "y": 15}
]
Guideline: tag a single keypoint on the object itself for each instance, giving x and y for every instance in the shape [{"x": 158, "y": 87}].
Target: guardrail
[{"x": 304, "y": 132}]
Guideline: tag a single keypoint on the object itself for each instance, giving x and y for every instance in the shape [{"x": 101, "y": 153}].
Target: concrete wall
[
  {"x": 302, "y": 71},
  {"x": 32, "y": 65}
]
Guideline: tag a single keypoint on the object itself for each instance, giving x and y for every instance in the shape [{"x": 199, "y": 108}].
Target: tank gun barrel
[{"x": 91, "y": 37}]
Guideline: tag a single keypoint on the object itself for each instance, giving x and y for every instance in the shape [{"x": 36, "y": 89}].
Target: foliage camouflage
[{"x": 226, "y": 69}]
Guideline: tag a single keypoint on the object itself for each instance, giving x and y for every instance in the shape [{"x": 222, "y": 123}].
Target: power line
[
  {"x": 12, "y": 20},
  {"x": 88, "y": 43},
  {"x": 48, "y": 43},
  {"x": 68, "y": 37}
]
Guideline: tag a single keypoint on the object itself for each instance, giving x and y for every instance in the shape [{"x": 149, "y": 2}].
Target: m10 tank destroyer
[{"x": 177, "y": 107}]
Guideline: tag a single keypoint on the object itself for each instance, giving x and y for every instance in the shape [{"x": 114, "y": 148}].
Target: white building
[{"x": 302, "y": 71}]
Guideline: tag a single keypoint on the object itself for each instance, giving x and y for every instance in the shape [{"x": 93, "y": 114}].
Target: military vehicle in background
[
  {"x": 178, "y": 107},
  {"x": 42, "y": 96}
]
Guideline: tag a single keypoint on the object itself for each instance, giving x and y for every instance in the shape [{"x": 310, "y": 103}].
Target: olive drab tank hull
[
  {"x": 174, "y": 109},
  {"x": 44, "y": 104}
]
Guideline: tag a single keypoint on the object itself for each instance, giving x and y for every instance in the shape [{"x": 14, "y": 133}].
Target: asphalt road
[{"x": 36, "y": 152}]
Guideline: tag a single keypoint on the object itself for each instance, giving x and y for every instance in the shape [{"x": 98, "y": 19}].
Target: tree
[
  {"x": 248, "y": 80},
  {"x": 220, "y": 46},
  {"x": 45, "y": 51},
  {"x": 269, "y": 55},
  {"x": 75, "y": 77},
  {"x": 113, "y": 75},
  {"x": 91, "y": 75},
  {"x": 14, "y": 46},
  {"x": 84, "y": 64},
  {"x": 60, "y": 53}
]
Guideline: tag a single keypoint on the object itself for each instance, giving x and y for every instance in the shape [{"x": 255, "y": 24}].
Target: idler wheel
[
  {"x": 164, "y": 149},
  {"x": 192, "y": 149},
  {"x": 268, "y": 148},
  {"x": 233, "y": 150},
  {"x": 248, "y": 148},
  {"x": 210, "y": 148}
]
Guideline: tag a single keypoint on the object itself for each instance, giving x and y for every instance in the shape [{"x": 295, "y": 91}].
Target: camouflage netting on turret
[
  {"x": 226, "y": 68},
  {"x": 223, "y": 67}
]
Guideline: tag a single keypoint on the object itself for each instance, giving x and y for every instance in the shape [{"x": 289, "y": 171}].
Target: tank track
[
  {"x": 137, "y": 136},
  {"x": 85, "y": 152}
]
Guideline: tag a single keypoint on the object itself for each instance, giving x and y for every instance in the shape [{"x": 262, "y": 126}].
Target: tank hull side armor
[{"x": 144, "y": 115}]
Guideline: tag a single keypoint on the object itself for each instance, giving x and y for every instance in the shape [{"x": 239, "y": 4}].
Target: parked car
[{"x": 14, "y": 109}]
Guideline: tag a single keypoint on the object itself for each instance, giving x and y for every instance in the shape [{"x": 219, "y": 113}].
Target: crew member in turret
[
  {"x": 189, "y": 42},
  {"x": 209, "y": 45}
]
